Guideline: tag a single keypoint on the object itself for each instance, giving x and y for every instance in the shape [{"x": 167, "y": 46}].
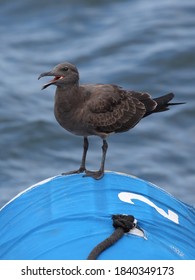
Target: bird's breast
[{"x": 71, "y": 120}]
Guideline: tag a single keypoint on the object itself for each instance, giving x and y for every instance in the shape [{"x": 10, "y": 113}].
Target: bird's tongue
[{"x": 51, "y": 82}]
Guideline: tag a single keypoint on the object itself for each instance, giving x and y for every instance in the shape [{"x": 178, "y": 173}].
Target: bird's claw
[
  {"x": 80, "y": 170},
  {"x": 94, "y": 174}
]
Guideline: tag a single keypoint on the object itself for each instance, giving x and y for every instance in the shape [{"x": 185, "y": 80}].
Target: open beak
[{"x": 50, "y": 73}]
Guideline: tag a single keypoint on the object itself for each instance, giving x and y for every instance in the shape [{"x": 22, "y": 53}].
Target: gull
[{"x": 98, "y": 109}]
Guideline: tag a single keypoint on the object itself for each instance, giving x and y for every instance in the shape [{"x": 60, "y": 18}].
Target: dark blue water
[{"x": 141, "y": 45}]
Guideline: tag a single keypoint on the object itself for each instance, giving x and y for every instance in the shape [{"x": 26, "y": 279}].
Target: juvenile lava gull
[{"x": 98, "y": 109}]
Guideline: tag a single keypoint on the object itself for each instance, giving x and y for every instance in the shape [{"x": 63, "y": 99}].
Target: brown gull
[{"x": 98, "y": 109}]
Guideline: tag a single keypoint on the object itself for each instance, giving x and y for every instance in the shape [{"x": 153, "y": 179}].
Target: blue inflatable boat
[{"x": 66, "y": 217}]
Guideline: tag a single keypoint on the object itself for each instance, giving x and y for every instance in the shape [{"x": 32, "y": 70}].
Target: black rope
[{"x": 122, "y": 224}]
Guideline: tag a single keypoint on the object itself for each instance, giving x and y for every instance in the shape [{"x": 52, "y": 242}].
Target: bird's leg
[
  {"x": 100, "y": 173},
  {"x": 85, "y": 149},
  {"x": 82, "y": 167},
  {"x": 104, "y": 150}
]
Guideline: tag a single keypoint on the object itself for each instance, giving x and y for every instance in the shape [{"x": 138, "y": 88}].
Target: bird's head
[{"x": 64, "y": 74}]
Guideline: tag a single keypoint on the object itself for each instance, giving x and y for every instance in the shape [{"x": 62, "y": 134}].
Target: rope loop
[
  {"x": 126, "y": 222},
  {"x": 122, "y": 224}
]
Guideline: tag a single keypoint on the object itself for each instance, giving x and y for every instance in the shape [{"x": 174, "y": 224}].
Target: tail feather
[
  {"x": 163, "y": 103},
  {"x": 162, "y": 100}
]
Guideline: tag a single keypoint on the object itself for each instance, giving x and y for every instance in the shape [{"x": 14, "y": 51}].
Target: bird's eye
[{"x": 65, "y": 68}]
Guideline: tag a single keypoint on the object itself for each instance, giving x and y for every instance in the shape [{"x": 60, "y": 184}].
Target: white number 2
[{"x": 128, "y": 196}]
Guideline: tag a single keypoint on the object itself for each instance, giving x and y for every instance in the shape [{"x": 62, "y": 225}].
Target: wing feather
[{"x": 112, "y": 109}]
